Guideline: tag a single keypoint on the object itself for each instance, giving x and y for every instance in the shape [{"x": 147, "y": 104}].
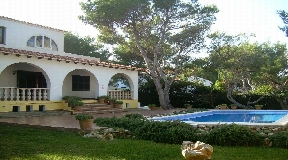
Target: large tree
[
  {"x": 87, "y": 46},
  {"x": 162, "y": 32},
  {"x": 284, "y": 16},
  {"x": 246, "y": 68},
  {"x": 234, "y": 60}
]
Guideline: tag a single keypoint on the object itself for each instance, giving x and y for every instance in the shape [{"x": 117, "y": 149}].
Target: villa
[{"x": 35, "y": 72}]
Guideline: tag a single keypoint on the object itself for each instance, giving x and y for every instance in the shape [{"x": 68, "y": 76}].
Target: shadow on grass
[
  {"x": 22, "y": 142},
  {"x": 34, "y": 143}
]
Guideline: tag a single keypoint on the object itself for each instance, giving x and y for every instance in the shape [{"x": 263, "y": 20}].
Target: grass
[{"x": 22, "y": 142}]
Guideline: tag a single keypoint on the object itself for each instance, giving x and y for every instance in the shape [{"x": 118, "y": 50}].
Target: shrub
[
  {"x": 73, "y": 100},
  {"x": 134, "y": 116},
  {"x": 233, "y": 135},
  {"x": 118, "y": 102},
  {"x": 280, "y": 139},
  {"x": 124, "y": 122},
  {"x": 83, "y": 116},
  {"x": 172, "y": 132}
]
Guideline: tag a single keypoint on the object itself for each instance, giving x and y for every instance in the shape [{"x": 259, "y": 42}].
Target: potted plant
[
  {"x": 118, "y": 104},
  {"x": 152, "y": 106},
  {"x": 188, "y": 106},
  {"x": 74, "y": 102},
  {"x": 103, "y": 99},
  {"x": 223, "y": 106},
  {"x": 112, "y": 101},
  {"x": 233, "y": 106},
  {"x": 85, "y": 120},
  {"x": 258, "y": 106}
]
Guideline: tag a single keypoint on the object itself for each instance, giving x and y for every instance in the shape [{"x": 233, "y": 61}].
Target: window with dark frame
[
  {"x": 2, "y": 35},
  {"x": 80, "y": 83}
]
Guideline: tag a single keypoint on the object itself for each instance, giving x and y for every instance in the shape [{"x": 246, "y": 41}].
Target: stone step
[
  {"x": 98, "y": 108},
  {"x": 96, "y": 104},
  {"x": 115, "y": 110}
]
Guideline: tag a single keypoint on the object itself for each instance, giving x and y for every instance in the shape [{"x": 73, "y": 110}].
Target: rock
[
  {"x": 267, "y": 142},
  {"x": 196, "y": 151},
  {"x": 202, "y": 126}
]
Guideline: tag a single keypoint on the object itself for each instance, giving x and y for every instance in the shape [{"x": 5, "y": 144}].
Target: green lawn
[{"x": 19, "y": 142}]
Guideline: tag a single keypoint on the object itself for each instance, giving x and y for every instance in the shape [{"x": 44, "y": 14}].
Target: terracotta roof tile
[{"x": 59, "y": 58}]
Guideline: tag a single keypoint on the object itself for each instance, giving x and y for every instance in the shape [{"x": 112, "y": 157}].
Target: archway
[
  {"x": 80, "y": 82},
  {"x": 24, "y": 81},
  {"x": 120, "y": 87}
]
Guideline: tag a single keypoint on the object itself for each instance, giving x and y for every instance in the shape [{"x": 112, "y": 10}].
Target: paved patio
[{"x": 67, "y": 122}]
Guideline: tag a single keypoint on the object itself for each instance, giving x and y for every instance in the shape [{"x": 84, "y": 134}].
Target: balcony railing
[
  {"x": 120, "y": 94},
  {"x": 23, "y": 94}
]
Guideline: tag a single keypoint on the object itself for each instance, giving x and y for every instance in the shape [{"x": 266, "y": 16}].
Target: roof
[
  {"x": 32, "y": 24},
  {"x": 67, "y": 59}
]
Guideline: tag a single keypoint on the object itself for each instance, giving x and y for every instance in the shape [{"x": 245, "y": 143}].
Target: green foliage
[
  {"x": 147, "y": 28},
  {"x": 165, "y": 132},
  {"x": 83, "y": 116},
  {"x": 76, "y": 103},
  {"x": 84, "y": 46},
  {"x": 73, "y": 100},
  {"x": 219, "y": 85},
  {"x": 246, "y": 68},
  {"x": 233, "y": 135},
  {"x": 181, "y": 92},
  {"x": 112, "y": 100},
  {"x": 152, "y": 105},
  {"x": 23, "y": 142},
  {"x": 284, "y": 16},
  {"x": 118, "y": 102},
  {"x": 114, "y": 81},
  {"x": 187, "y": 105},
  {"x": 134, "y": 116},
  {"x": 280, "y": 139},
  {"x": 199, "y": 96},
  {"x": 172, "y": 132},
  {"x": 105, "y": 97},
  {"x": 69, "y": 98},
  {"x": 128, "y": 123}
]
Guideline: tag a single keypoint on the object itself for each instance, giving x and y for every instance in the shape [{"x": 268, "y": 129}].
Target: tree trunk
[
  {"x": 163, "y": 94},
  {"x": 248, "y": 106},
  {"x": 283, "y": 103}
]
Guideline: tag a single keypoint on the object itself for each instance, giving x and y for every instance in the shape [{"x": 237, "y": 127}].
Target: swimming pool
[{"x": 247, "y": 117}]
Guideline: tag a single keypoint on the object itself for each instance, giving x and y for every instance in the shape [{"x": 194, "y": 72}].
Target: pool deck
[{"x": 67, "y": 122}]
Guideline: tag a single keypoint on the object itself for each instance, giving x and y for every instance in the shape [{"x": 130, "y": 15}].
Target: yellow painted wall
[
  {"x": 132, "y": 103},
  {"x": 7, "y": 106}
]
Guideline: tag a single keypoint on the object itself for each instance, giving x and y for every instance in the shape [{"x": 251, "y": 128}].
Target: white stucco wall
[
  {"x": 58, "y": 73},
  {"x": 18, "y": 33},
  {"x": 67, "y": 89},
  {"x": 9, "y": 75}
]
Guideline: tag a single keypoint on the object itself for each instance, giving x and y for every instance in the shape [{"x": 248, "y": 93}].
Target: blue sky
[{"x": 235, "y": 16}]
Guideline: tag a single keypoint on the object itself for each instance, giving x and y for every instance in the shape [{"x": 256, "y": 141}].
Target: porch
[
  {"x": 23, "y": 94},
  {"x": 15, "y": 99},
  {"x": 41, "y": 94}
]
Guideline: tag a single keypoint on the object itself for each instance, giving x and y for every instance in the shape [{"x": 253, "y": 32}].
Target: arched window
[{"x": 43, "y": 42}]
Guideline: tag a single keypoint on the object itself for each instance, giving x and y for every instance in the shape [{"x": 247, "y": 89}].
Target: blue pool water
[{"x": 248, "y": 116}]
